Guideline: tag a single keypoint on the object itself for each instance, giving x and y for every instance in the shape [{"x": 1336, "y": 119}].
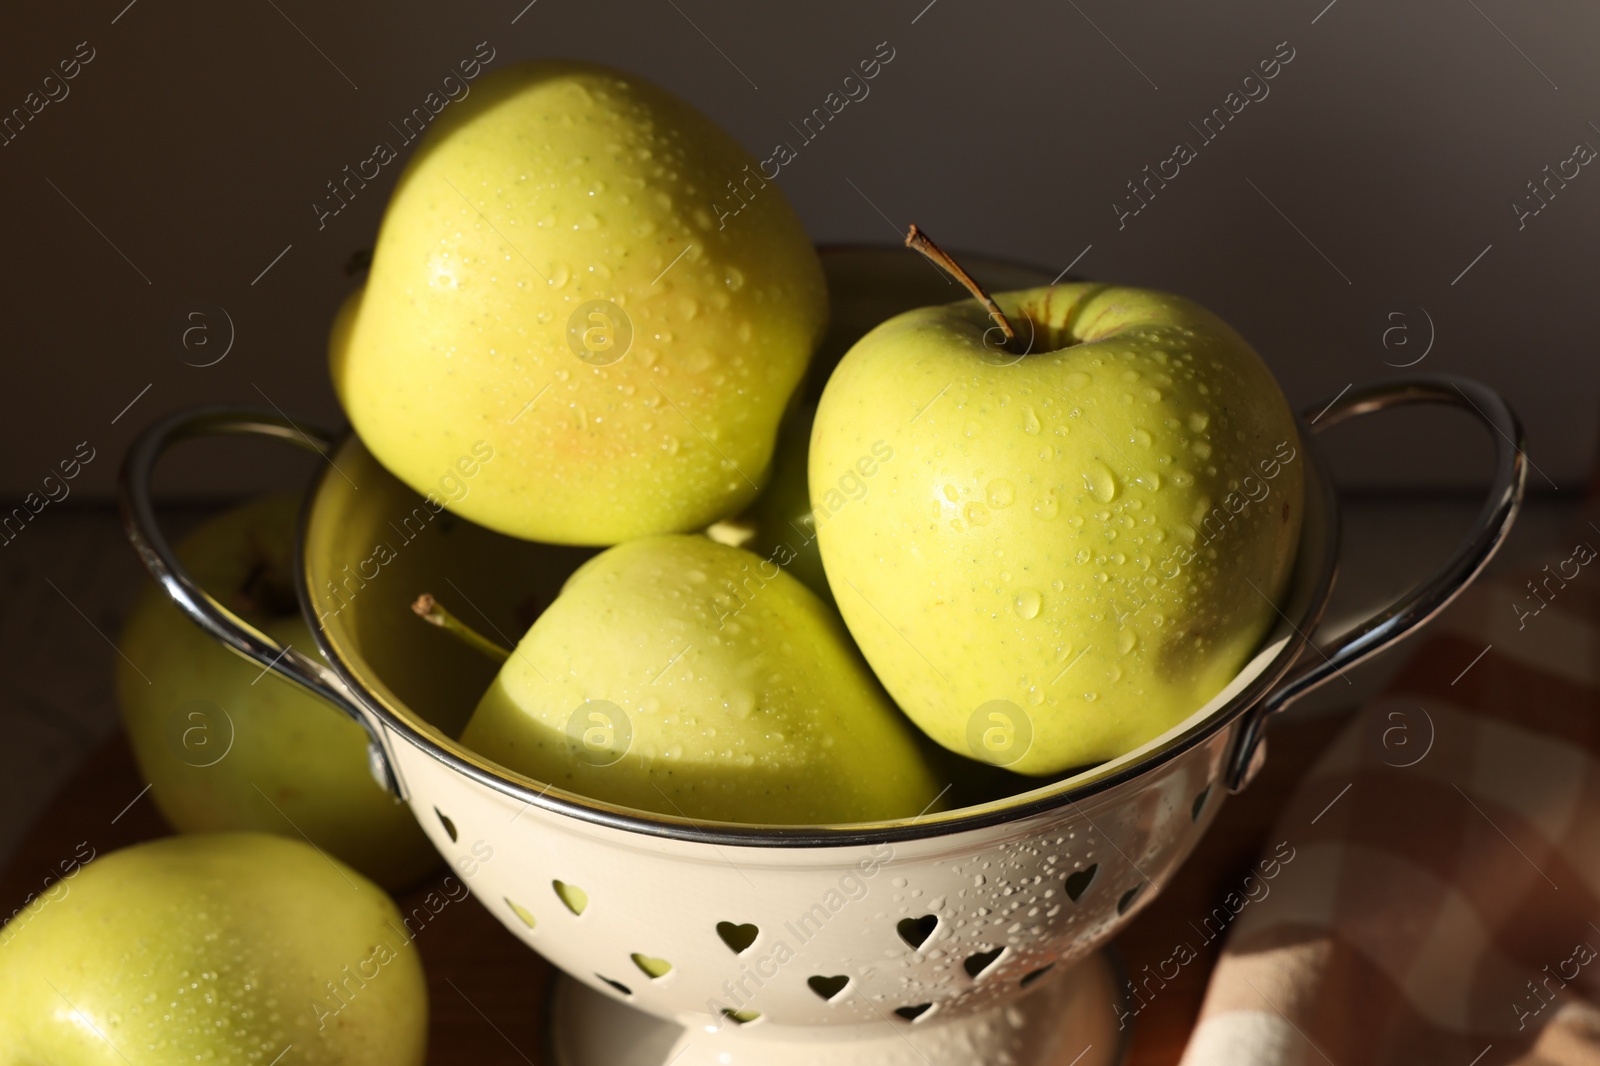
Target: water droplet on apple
[
  {"x": 689, "y": 308},
  {"x": 1100, "y": 482},
  {"x": 1198, "y": 421},
  {"x": 1141, "y": 437},
  {"x": 972, "y": 429},
  {"x": 1126, "y": 640},
  {"x": 559, "y": 275},
  {"x": 951, "y": 493},
  {"x": 1075, "y": 521},
  {"x": 1076, "y": 380},
  {"x": 1027, "y": 603},
  {"x": 1126, "y": 399},
  {"x": 1083, "y": 555},
  {"x": 1047, "y": 506},
  {"x": 1001, "y": 493},
  {"x": 1030, "y": 420},
  {"x": 1182, "y": 478},
  {"x": 671, "y": 445},
  {"x": 734, "y": 279},
  {"x": 977, "y": 514},
  {"x": 1090, "y": 697}
]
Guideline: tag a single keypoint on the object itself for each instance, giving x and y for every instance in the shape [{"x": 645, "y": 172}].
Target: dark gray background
[{"x": 1382, "y": 164}]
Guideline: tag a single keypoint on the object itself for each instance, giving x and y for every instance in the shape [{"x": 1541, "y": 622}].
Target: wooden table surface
[{"x": 486, "y": 989}]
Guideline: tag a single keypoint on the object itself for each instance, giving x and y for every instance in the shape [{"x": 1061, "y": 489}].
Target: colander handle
[
  {"x": 1406, "y": 615},
  {"x": 139, "y": 522}
]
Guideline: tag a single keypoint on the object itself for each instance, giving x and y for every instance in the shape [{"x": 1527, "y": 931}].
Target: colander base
[{"x": 1067, "y": 1020}]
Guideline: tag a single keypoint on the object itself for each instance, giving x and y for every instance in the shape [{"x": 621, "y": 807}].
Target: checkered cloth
[{"x": 1443, "y": 902}]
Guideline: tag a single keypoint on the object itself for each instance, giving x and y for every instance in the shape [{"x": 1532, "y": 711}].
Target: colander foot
[{"x": 1068, "y": 1019}]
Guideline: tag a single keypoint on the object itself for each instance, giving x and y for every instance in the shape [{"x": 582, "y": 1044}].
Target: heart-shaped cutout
[
  {"x": 911, "y": 1014},
  {"x": 576, "y": 899},
  {"x": 916, "y": 931},
  {"x": 1078, "y": 883},
  {"x": 981, "y": 961},
  {"x": 737, "y": 937},
  {"x": 1127, "y": 899},
  {"x": 618, "y": 985},
  {"x": 449, "y": 826},
  {"x": 1035, "y": 975},
  {"x": 521, "y": 912},
  {"x": 655, "y": 969},
  {"x": 828, "y": 987}
]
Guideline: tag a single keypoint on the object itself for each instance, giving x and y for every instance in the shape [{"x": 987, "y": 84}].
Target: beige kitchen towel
[{"x": 1443, "y": 904}]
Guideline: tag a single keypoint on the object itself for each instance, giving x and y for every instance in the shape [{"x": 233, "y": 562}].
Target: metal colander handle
[
  {"x": 139, "y": 522},
  {"x": 1406, "y": 615}
]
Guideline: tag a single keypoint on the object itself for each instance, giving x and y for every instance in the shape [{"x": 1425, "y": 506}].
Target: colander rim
[{"x": 1034, "y": 803}]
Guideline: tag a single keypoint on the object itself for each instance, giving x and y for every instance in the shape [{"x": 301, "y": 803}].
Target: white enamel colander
[{"x": 966, "y": 936}]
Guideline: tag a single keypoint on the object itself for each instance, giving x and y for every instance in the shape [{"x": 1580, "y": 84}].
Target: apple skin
[
  {"x": 211, "y": 948},
  {"x": 779, "y": 524},
  {"x": 555, "y": 184},
  {"x": 740, "y": 695},
  {"x": 1048, "y": 531},
  {"x": 258, "y": 753}
]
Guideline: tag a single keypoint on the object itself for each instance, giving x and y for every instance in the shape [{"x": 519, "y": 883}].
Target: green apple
[
  {"x": 685, "y": 677},
  {"x": 228, "y": 745},
  {"x": 779, "y": 525},
  {"x": 344, "y": 320},
  {"x": 585, "y": 272},
  {"x": 223, "y": 948},
  {"x": 1073, "y": 548}
]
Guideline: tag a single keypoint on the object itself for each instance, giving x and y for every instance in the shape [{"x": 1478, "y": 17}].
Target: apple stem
[
  {"x": 921, "y": 242},
  {"x": 429, "y": 610}
]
